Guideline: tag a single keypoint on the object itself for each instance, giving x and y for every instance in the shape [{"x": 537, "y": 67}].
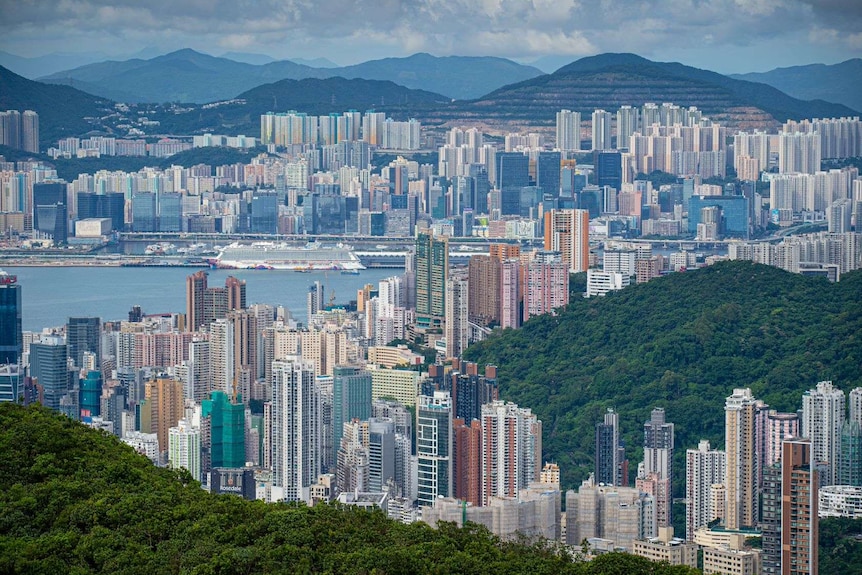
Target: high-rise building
[
  {"x": 799, "y": 517},
  {"x": 205, "y": 304},
  {"x": 434, "y": 447},
  {"x": 609, "y": 171},
  {"x": 184, "y": 448},
  {"x": 602, "y": 130},
  {"x": 351, "y": 398},
  {"x": 658, "y": 460},
  {"x": 548, "y": 166},
  {"x": 568, "y": 232},
  {"x": 457, "y": 320},
  {"x": 546, "y": 284},
  {"x": 50, "y": 213},
  {"x": 510, "y": 294},
  {"x": 11, "y": 335},
  {"x": 432, "y": 271},
  {"x": 165, "y": 402},
  {"x": 484, "y": 286},
  {"x": 741, "y": 476},
  {"x": 511, "y": 450},
  {"x": 627, "y": 124},
  {"x": 610, "y": 454},
  {"x": 297, "y": 430},
  {"x": 855, "y": 401},
  {"x": 467, "y": 461},
  {"x": 11, "y": 382},
  {"x": 704, "y": 467},
  {"x": 568, "y": 130},
  {"x": 822, "y": 417},
  {"x": 90, "y": 394},
  {"x": 621, "y": 514},
  {"x": 850, "y": 455},
  {"x": 770, "y": 519},
  {"x": 315, "y": 300},
  {"x": 83, "y": 334},
  {"x": 225, "y": 422},
  {"x": 513, "y": 173},
  {"x": 49, "y": 367}
]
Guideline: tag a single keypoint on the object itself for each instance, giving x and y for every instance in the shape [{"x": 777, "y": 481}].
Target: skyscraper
[
  {"x": 297, "y": 430},
  {"x": 511, "y": 449},
  {"x": 49, "y": 367},
  {"x": 432, "y": 271},
  {"x": 50, "y": 215},
  {"x": 568, "y": 130},
  {"x": 799, "y": 499},
  {"x": 510, "y": 294},
  {"x": 165, "y": 401},
  {"x": 434, "y": 447},
  {"x": 548, "y": 166},
  {"x": 513, "y": 173},
  {"x": 225, "y": 421},
  {"x": 568, "y": 232},
  {"x": 83, "y": 334},
  {"x": 484, "y": 286},
  {"x": 850, "y": 455},
  {"x": 610, "y": 455},
  {"x": 205, "y": 304},
  {"x": 351, "y": 399},
  {"x": 658, "y": 459},
  {"x": 11, "y": 339},
  {"x": 546, "y": 284},
  {"x": 822, "y": 417},
  {"x": 741, "y": 478},
  {"x": 184, "y": 448},
  {"x": 627, "y": 124},
  {"x": 704, "y": 467},
  {"x": 602, "y": 130},
  {"x": 457, "y": 324}
]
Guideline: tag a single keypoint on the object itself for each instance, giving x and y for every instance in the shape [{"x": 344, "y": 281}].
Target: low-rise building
[{"x": 666, "y": 547}]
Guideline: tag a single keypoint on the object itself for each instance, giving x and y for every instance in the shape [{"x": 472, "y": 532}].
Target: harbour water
[{"x": 51, "y": 294}]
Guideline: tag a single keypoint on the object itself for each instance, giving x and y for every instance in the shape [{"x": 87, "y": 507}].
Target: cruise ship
[{"x": 283, "y": 256}]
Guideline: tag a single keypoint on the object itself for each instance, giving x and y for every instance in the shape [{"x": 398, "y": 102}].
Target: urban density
[{"x": 371, "y": 400}]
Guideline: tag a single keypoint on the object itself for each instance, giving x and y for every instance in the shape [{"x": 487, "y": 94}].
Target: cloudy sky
[{"x": 722, "y": 35}]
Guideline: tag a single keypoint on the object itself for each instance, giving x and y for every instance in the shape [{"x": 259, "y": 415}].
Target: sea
[{"x": 50, "y": 295}]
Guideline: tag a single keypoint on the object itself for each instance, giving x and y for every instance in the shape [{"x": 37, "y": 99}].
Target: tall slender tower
[
  {"x": 741, "y": 481},
  {"x": 799, "y": 500},
  {"x": 434, "y": 447},
  {"x": 432, "y": 271},
  {"x": 610, "y": 455},
  {"x": 658, "y": 460},
  {"x": 704, "y": 467},
  {"x": 511, "y": 449},
  {"x": 822, "y": 418},
  {"x": 11, "y": 336},
  {"x": 297, "y": 430},
  {"x": 568, "y": 232}
]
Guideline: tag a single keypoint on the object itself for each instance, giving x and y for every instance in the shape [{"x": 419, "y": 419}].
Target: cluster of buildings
[
  {"x": 98, "y": 146},
  {"x": 372, "y": 128},
  {"x": 20, "y": 130}
]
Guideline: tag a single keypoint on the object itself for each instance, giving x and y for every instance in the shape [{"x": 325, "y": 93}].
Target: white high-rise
[
  {"x": 704, "y": 467},
  {"x": 222, "y": 356},
  {"x": 602, "y": 130},
  {"x": 741, "y": 477},
  {"x": 457, "y": 326},
  {"x": 184, "y": 448},
  {"x": 856, "y": 405},
  {"x": 822, "y": 416},
  {"x": 627, "y": 124},
  {"x": 297, "y": 428},
  {"x": 798, "y": 152},
  {"x": 568, "y": 130},
  {"x": 511, "y": 450}
]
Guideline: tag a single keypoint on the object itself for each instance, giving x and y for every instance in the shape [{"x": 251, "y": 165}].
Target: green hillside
[
  {"x": 76, "y": 500},
  {"x": 681, "y": 342}
]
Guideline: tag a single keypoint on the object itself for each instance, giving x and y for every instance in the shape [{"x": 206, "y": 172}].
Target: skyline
[{"x": 727, "y": 36}]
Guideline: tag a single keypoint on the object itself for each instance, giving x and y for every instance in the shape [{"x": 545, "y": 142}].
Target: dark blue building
[
  {"x": 112, "y": 206},
  {"x": 548, "y": 172},
  {"x": 11, "y": 340},
  {"x": 264, "y": 213},
  {"x": 145, "y": 217},
  {"x": 170, "y": 212},
  {"x": 734, "y": 210},
  {"x": 513, "y": 173},
  {"x": 50, "y": 213},
  {"x": 609, "y": 169}
]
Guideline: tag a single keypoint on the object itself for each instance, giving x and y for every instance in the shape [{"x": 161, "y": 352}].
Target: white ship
[{"x": 283, "y": 256}]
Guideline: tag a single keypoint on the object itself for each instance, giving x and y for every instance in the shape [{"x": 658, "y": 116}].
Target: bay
[{"x": 51, "y": 294}]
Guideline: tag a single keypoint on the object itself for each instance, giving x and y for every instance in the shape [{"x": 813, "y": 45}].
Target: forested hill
[
  {"x": 76, "y": 500},
  {"x": 681, "y": 342}
]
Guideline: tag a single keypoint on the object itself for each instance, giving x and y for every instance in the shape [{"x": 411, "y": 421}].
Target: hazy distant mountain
[
  {"x": 248, "y": 58},
  {"x": 48, "y": 64},
  {"x": 62, "y": 110},
  {"x": 315, "y": 62},
  {"x": 189, "y": 76},
  {"x": 612, "y": 80},
  {"x": 840, "y": 83},
  {"x": 460, "y": 77}
]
